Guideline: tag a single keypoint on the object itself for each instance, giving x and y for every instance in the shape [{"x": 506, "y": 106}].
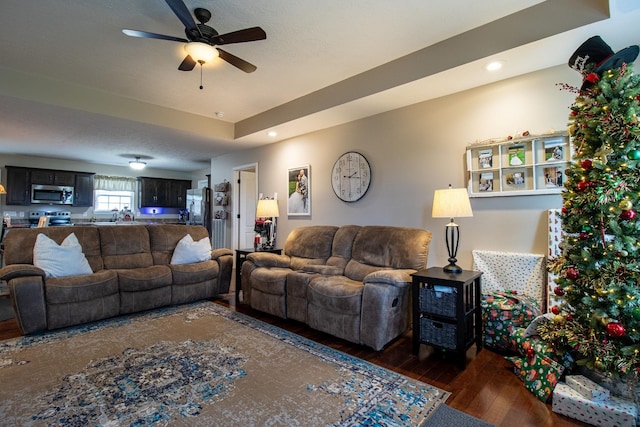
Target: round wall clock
[{"x": 351, "y": 176}]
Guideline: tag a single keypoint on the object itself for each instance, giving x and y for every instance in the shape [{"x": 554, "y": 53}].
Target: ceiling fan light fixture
[
  {"x": 137, "y": 164},
  {"x": 201, "y": 52}
]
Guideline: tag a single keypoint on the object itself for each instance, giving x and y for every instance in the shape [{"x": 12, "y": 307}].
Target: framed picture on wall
[{"x": 299, "y": 191}]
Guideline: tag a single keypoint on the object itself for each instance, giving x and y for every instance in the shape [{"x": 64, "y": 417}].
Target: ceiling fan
[{"x": 202, "y": 40}]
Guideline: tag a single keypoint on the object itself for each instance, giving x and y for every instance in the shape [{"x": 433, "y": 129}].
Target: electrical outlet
[{"x": 21, "y": 214}]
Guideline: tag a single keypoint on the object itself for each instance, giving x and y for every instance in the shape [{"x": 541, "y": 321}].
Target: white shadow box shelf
[{"x": 517, "y": 167}]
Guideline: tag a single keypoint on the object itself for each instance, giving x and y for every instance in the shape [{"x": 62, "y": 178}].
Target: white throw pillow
[
  {"x": 187, "y": 251},
  {"x": 62, "y": 260}
]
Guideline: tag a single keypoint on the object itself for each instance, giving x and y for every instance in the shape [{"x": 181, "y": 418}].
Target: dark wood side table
[
  {"x": 446, "y": 311},
  {"x": 241, "y": 257}
]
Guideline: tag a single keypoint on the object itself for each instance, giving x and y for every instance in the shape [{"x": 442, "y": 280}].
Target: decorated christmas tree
[{"x": 598, "y": 272}]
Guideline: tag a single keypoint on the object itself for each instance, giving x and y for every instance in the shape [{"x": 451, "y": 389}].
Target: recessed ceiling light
[
  {"x": 272, "y": 133},
  {"x": 494, "y": 65}
]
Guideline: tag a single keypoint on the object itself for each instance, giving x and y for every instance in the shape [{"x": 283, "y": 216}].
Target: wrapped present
[
  {"x": 502, "y": 312},
  {"x": 609, "y": 413},
  {"x": 527, "y": 345},
  {"x": 587, "y": 388},
  {"x": 538, "y": 372},
  {"x": 502, "y": 271}
]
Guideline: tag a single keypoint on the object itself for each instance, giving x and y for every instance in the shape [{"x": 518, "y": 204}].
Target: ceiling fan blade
[
  {"x": 237, "y": 62},
  {"x": 148, "y": 35},
  {"x": 240, "y": 36},
  {"x": 187, "y": 64},
  {"x": 184, "y": 16}
]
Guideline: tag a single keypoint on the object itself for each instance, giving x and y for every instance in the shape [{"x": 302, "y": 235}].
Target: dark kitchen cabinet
[
  {"x": 20, "y": 179},
  {"x": 83, "y": 189},
  {"x": 18, "y": 186},
  {"x": 52, "y": 177},
  {"x": 152, "y": 192},
  {"x": 163, "y": 193},
  {"x": 177, "y": 194}
]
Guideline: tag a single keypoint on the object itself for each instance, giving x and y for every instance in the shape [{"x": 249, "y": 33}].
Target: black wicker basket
[
  {"x": 436, "y": 302},
  {"x": 438, "y": 333}
]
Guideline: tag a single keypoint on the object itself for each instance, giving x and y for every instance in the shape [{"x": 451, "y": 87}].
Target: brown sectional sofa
[
  {"x": 352, "y": 281},
  {"x": 131, "y": 273}
]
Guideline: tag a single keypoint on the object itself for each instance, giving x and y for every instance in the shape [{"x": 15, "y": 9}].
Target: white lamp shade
[
  {"x": 451, "y": 203},
  {"x": 201, "y": 51},
  {"x": 267, "y": 209}
]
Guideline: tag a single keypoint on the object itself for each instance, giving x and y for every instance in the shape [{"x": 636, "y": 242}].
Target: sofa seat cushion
[
  {"x": 338, "y": 294},
  {"x": 327, "y": 270},
  {"x": 186, "y": 274},
  {"x": 144, "y": 279},
  {"x": 85, "y": 287},
  {"x": 270, "y": 280}
]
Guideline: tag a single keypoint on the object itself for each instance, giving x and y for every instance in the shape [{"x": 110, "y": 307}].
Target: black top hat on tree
[{"x": 594, "y": 56}]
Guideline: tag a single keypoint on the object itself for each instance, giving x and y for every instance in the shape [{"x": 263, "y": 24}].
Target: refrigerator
[{"x": 199, "y": 207}]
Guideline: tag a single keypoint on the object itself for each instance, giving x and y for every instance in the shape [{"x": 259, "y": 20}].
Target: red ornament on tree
[
  {"x": 531, "y": 352},
  {"x": 572, "y": 273},
  {"x": 570, "y": 317},
  {"x": 555, "y": 309},
  {"x": 615, "y": 329},
  {"x": 582, "y": 185},
  {"x": 564, "y": 210},
  {"x": 586, "y": 164},
  {"x": 628, "y": 214},
  {"x": 583, "y": 235},
  {"x": 592, "y": 77},
  {"x": 558, "y": 291}
]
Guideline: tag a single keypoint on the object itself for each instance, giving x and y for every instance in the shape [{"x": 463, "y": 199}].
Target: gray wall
[{"x": 416, "y": 150}]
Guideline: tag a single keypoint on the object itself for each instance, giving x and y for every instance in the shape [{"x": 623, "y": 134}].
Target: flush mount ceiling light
[{"x": 137, "y": 164}]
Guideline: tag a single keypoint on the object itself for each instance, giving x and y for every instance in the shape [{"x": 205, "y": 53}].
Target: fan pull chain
[{"x": 201, "y": 87}]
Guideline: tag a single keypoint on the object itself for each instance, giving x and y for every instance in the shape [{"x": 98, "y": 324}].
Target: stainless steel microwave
[{"x": 51, "y": 194}]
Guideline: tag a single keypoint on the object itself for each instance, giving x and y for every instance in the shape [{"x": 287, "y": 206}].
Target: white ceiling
[{"x": 73, "y": 86}]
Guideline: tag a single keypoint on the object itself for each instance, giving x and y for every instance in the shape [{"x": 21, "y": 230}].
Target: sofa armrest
[
  {"x": 395, "y": 277},
  {"x": 20, "y": 270},
  {"x": 268, "y": 259},
  {"x": 224, "y": 258},
  {"x": 30, "y": 307},
  {"x": 217, "y": 253}
]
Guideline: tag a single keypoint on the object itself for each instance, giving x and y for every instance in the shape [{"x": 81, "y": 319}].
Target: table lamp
[
  {"x": 268, "y": 208},
  {"x": 451, "y": 203}
]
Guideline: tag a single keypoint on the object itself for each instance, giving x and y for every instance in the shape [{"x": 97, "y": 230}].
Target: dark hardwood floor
[{"x": 486, "y": 389}]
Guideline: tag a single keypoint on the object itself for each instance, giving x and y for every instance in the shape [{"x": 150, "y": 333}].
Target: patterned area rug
[{"x": 199, "y": 365}]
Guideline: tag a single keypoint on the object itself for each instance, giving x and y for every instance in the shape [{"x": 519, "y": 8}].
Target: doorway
[{"x": 244, "y": 205}]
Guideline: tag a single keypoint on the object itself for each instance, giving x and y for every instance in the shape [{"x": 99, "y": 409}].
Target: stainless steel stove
[{"x": 55, "y": 218}]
